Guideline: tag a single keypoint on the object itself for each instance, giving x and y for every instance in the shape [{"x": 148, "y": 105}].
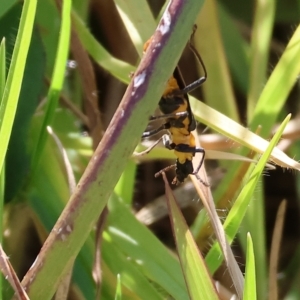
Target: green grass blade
[
  {"x": 281, "y": 81},
  {"x": 116, "y": 67},
  {"x": 56, "y": 81},
  {"x": 141, "y": 246},
  {"x": 118, "y": 295},
  {"x": 6, "y": 5},
  {"x": 2, "y": 76},
  {"x": 15, "y": 75},
  {"x": 47, "y": 200},
  {"x": 236, "y": 48},
  {"x": 197, "y": 278},
  {"x": 209, "y": 37},
  {"x": 238, "y": 210},
  {"x": 126, "y": 183},
  {"x": 259, "y": 54},
  {"x": 132, "y": 277},
  {"x": 259, "y": 58},
  {"x": 138, "y": 31},
  {"x": 254, "y": 222},
  {"x": 250, "y": 278},
  {"x": 2, "y": 71},
  {"x": 238, "y": 133},
  {"x": 2, "y": 171}
]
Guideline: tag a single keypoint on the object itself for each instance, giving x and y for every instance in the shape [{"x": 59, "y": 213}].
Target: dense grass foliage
[{"x": 67, "y": 139}]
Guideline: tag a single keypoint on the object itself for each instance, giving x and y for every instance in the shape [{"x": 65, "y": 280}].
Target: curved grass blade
[
  {"x": 238, "y": 210},
  {"x": 138, "y": 30},
  {"x": 208, "y": 202},
  {"x": 13, "y": 84},
  {"x": 116, "y": 67}
]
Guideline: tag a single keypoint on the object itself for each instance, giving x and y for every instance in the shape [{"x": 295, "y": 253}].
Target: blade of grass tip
[
  {"x": 96, "y": 185},
  {"x": 238, "y": 210},
  {"x": 198, "y": 280},
  {"x": 276, "y": 90},
  {"x": 260, "y": 45},
  {"x": 13, "y": 84},
  {"x": 56, "y": 81},
  {"x": 118, "y": 295},
  {"x": 254, "y": 222},
  {"x": 250, "y": 278},
  {"x": 126, "y": 183},
  {"x": 10, "y": 275},
  {"x": 275, "y": 248},
  {"x": 208, "y": 202}
]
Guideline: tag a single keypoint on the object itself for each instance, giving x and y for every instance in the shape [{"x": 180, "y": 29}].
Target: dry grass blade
[
  {"x": 275, "y": 247},
  {"x": 239, "y": 134},
  {"x": 156, "y": 210},
  {"x": 9, "y": 274},
  {"x": 207, "y": 200},
  {"x": 89, "y": 86}
]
